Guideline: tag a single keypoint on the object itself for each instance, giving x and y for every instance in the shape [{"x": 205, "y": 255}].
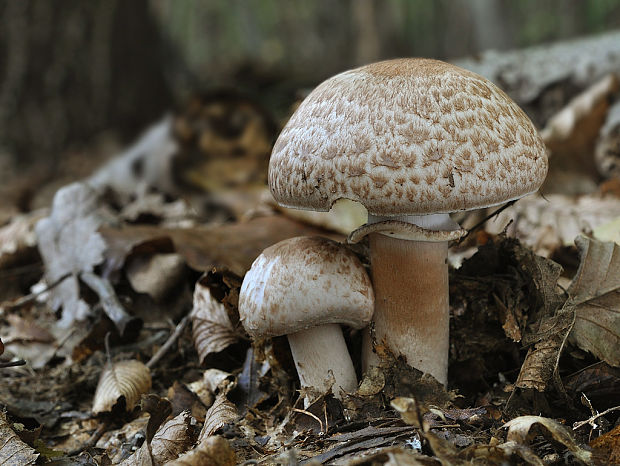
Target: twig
[
  {"x": 19, "y": 362},
  {"x": 308, "y": 413},
  {"x": 577, "y": 425},
  {"x": 93, "y": 439},
  {"x": 8, "y": 305},
  {"x": 171, "y": 340},
  {"x": 485, "y": 219}
]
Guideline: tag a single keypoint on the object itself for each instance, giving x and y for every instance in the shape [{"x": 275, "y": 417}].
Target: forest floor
[{"x": 122, "y": 341}]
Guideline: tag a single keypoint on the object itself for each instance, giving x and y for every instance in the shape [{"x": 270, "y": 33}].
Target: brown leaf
[
  {"x": 609, "y": 445},
  {"x": 232, "y": 246},
  {"x": 595, "y": 298},
  {"x": 212, "y": 330},
  {"x": 214, "y": 451},
  {"x": 129, "y": 379},
  {"x": 539, "y": 366},
  {"x": 12, "y": 449},
  {"x": 519, "y": 429},
  {"x": 172, "y": 439},
  {"x": 219, "y": 414}
]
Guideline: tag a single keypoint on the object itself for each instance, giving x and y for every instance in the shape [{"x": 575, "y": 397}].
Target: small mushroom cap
[
  {"x": 407, "y": 137},
  {"x": 304, "y": 282}
]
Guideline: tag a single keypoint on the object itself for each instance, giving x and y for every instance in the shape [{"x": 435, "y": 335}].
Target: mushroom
[
  {"x": 304, "y": 288},
  {"x": 412, "y": 140}
]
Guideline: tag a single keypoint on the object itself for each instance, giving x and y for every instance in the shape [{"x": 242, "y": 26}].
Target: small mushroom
[
  {"x": 412, "y": 140},
  {"x": 305, "y": 288}
]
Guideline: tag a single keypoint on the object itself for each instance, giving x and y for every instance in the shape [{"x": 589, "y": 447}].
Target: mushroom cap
[
  {"x": 407, "y": 137},
  {"x": 304, "y": 282}
]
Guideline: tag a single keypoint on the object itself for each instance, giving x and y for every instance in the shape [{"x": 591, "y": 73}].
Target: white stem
[{"x": 319, "y": 351}]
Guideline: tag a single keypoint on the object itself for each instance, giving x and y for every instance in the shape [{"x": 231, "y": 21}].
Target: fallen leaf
[
  {"x": 594, "y": 295},
  {"x": 12, "y": 449},
  {"x": 219, "y": 414},
  {"x": 146, "y": 164},
  {"x": 395, "y": 456},
  {"x": 128, "y": 379},
  {"x": 571, "y": 133},
  {"x": 212, "y": 330},
  {"x": 232, "y": 246},
  {"x": 607, "y": 152},
  {"x": 18, "y": 235},
  {"x": 540, "y": 364},
  {"x": 172, "y": 439},
  {"x": 213, "y": 451},
  {"x": 609, "y": 445},
  {"x": 372, "y": 383},
  {"x": 157, "y": 209},
  {"x": 519, "y": 430},
  {"x": 69, "y": 244},
  {"x": 156, "y": 274},
  {"x": 547, "y": 223},
  {"x": 609, "y": 231},
  {"x": 216, "y": 379}
]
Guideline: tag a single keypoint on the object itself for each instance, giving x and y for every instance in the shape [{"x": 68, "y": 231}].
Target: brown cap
[
  {"x": 304, "y": 282},
  {"x": 408, "y": 136}
]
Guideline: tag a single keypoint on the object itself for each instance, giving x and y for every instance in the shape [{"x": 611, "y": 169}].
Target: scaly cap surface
[
  {"x": 407, "y": 136},
  {"x": 304, "y": 282}
]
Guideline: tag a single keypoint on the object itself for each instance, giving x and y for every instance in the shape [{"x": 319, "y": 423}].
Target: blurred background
[{"x": 72, "y": 71}]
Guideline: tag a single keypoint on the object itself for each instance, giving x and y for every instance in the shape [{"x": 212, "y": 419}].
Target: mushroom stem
[
  {"x": 318, "y": 351},
  {"x": 410, "y": 280}
]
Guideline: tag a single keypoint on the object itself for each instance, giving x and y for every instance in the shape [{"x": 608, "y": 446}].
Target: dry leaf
[
  {"x": 410, "y": 411},
  {"x": 519, "y": 429},
  {"x": 213, "y": 451},
  {"x": 69, "y": 243},
  {"x": 130, "y": 379},
  {"x": 544, "y": 224},
  {"x": 232, "y": 246},
  {"x": 19, "y": 236},
  {"x": 213, "y": 378},
  {"x": 155, "y": 275},
  {"x": 177, "y": 213},
  {"x": 152, "y": 153},
  {"x": 571, "y": 133},
  {"x": 172, "y": 439},
  {"x": 595, "y": 297},
  {"x": 212, "y": 330},
  {"x": 609, "y": 445},
  {"x": 12, "y": 449},
  {"x": 219, "y": 414},
  {"x": 609, "y": 231},
  {"x": 539, "y": 366},
  {"x": 607, "y": 153}
]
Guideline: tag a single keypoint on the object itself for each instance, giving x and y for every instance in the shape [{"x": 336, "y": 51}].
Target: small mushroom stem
[
  {"x": 410, "y": 280},
  {"x": 319, "y": 351}
]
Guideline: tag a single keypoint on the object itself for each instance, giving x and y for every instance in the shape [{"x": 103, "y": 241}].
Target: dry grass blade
[
  {"x": 129, "y": 379},
  {"x": 12, "y": 449},
  {"x": 519, "y": 429},
  {"x": 212, "y": 330},
  {"x": 219, "y": 414}
]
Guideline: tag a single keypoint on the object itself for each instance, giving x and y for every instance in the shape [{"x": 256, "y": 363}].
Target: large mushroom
[
  {"x": 412, "y": 140},
  {"x": 305, "y": 288}
]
